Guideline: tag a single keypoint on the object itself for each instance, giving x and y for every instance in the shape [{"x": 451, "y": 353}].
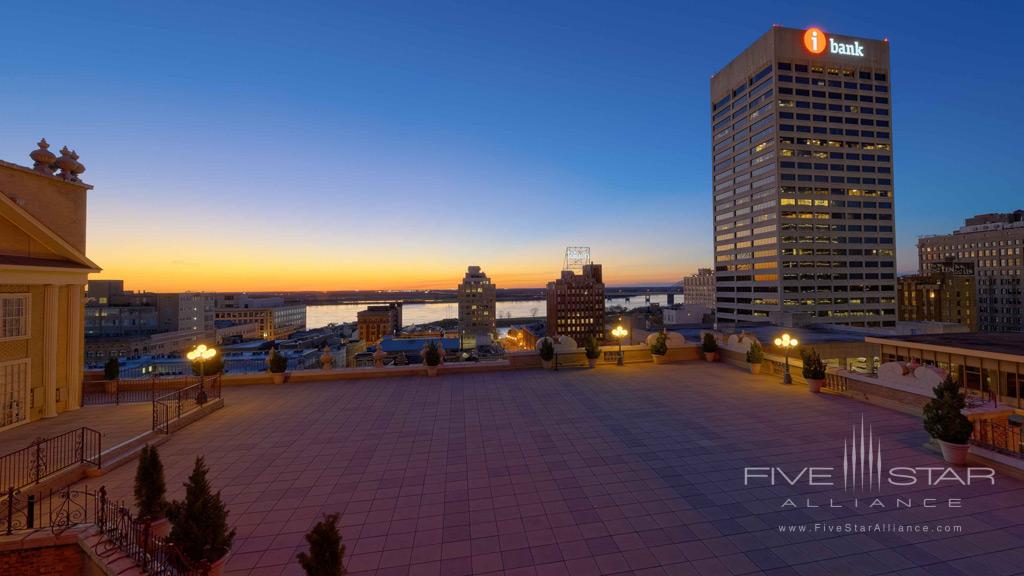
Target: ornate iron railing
[
  {"x": 129, "y": 390},
  {"x": 173, "y": 406},
  {"x": 48, "y": 456},
  {"x": 59, "y": 510},
  {"x": 998, "y": 435}
]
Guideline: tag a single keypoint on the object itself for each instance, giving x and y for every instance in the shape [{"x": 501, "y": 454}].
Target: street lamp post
[
  {"x": 620, "y": 333},
  {"x": 787, "y": 344},
  {"x": 201, "y": 353}
]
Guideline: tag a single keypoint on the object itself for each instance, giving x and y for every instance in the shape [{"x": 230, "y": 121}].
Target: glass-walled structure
[{"x": 986, "y": 362}]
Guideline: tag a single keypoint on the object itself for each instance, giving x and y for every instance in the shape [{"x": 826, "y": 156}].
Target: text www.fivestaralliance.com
[{"x": 873, "y": 528}]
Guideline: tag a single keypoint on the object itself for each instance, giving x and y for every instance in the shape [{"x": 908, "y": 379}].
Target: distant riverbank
[{"x": 428, "y": 312}]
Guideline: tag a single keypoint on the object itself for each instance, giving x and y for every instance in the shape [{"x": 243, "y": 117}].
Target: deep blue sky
[{"x": 382, "y": 143}]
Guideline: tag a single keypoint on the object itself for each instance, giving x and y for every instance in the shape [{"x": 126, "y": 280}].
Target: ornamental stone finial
[
  {"x": 66, "y": 164},
  {"x": 78, "y": 167},
  {"x": 43, "y": 158}
]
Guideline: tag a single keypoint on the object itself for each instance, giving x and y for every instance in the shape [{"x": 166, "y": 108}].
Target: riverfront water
[{"x": 322, "y": 315}]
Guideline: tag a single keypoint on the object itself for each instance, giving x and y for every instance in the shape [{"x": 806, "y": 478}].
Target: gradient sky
[{"x": 365, "y": 145}]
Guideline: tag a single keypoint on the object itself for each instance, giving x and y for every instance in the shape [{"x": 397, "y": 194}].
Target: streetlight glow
[{"x": 787, "y": 344}]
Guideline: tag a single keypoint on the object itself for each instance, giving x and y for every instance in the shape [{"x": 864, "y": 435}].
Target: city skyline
[{"x": 302, "y": 148}]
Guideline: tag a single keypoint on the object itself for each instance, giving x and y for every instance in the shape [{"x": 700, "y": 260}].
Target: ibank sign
[{"x": 816, "y": 41}]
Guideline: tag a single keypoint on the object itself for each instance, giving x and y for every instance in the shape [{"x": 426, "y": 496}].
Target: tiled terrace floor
[
  {"x": 115, "y": 423},
  {"x": 636, "y": 469}
]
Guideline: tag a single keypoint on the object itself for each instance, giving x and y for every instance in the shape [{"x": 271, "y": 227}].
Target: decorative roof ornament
[
  {"x": 44, "y": 159},
  {"x": 78, "y": 168},
  {"x": 67, "y": 164}
]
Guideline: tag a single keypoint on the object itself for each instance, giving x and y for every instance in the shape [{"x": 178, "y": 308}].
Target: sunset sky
[{"x": 367, "y": 145}]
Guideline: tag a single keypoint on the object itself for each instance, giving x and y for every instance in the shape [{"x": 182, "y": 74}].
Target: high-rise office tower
[
  {"x": 477, "y": 308},
  {"x": 803, "y": 189},
  {"x": 576, "y": 304}
]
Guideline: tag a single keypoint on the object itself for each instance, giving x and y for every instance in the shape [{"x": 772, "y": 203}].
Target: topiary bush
[
  {"x": 209, "y": 367},
  {"x": 814, "y": 368},
  {"x": 150, "y": 488},
  {"x": 112, "y": 369},
  {"x": 278, "y": 362},
  {"x": 547, "y": 350},
  {"x": 943, "y": 415},
  {"x": 199, "y": 523},
  {"x": 709, "y": 344},
  {"x": 755, "y": 354},
  {"x": 592, "y": 348},
  {"x": 660, "y": 345},
  {"x": 432, "y": 355},
  {"x": 326, "y": 551}
]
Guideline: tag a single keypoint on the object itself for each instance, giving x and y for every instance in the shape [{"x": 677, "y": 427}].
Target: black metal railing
[
  {"x": 48, "y": 456},
  {"x": 132, "y": 390},
  {"x": 123, "y": 534},
  {"x": 174, "y": 406},
  {"x": 998, "y": 435}
]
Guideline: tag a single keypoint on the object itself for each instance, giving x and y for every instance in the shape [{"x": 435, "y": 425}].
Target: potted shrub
[
  {"x": 593, "y": 351},
  {"x": 547, "y": 353},
  {"x": 755, "y": 356},
  {"x": 432, "y": 358},
  {"x": 945, "y": 421},
  {"x": 208, "y": 367},
  {"x": 710, "y": 347},
  {"x": 659, "y": 348},
  {"x": 199, "y": 524},
  {"x": 326, "y": 551},
  {"x": 814, "y": 369},
  {"x": 111, "y": 372},
  {"x": 150, "y": 492},
  {"x": 278, "y": 367}
]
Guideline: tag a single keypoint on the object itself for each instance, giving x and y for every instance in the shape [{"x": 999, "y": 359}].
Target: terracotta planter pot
[
  {"x": 547, "y": 364},
  {"x": 592, "y": 362},
  {"x": 659, "y": 358},
  {"x": 814, "y": 385},
  {"x": 955, "y": 454},
  {"x": 217, "y": 568},
  {"x": 431, "y": 370},
  {"x": 711, "y": 356},
  {"x": 279, "y": 377},
  {"x": 755, "y": 368}
]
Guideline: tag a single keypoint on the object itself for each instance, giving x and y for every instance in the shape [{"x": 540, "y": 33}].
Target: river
[{"x": 322, "y": 315}]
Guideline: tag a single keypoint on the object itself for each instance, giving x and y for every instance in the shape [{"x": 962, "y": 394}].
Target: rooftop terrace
[{"x": 636, "y": 469}]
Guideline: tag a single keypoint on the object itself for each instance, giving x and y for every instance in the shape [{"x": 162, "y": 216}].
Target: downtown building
[
  {"x": 477, "y": 308},
  {"x": 987, "y": 247},
  {"x": 379, "y": 321},
  {"x": 576, "y": 304},
  {"x": 938, "y": 297},
  {"x": 803, "y": 189}
]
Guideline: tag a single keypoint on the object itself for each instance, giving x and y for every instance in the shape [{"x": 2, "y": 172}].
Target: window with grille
[{"x": 14, "y": 316}]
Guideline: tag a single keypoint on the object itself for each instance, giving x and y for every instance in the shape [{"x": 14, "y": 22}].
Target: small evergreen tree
[
  {"x": 660, "y": 346},
  {"x": 709, "y": 344},
  {"x": 432, "y": 355},
  {"x": 755, "y": 354},
  {"x": 814, "y": 368},
  {"x": 547, "y": 350},
  {"x": 278, "y": 362},
  {"x": 112, "y": 369},
  {"x": 199, "y": 523},
  {"x": 593, "y": 349},
  {"x": 210, "y": 367},
  {"x": 326, "y": 551},
  {"x": 943, "y": 415},
  {"x": 150, "y": 488}
]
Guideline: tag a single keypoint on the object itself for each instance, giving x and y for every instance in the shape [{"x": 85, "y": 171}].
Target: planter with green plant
[
  {"x": 326, "y": 552},
  {"x": 710, "y": 347},
  {"x": 755, "y": 356},
  {"x": 593, "y": 351},
  {"x": 813, "y": 370},
  {"x": 150, "y": 492},
  {"x": 199, "y": 525},
  {"x": 547, "y": 353},
  {"x": 278, "y": 367},
  {"x": 945, "y": 421},
  {"x": 432, "y": 357},
  {"x": 208, "y": 367},
  {"x": 659, "y": 348},
  {"x": 111, "y": 373}
]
